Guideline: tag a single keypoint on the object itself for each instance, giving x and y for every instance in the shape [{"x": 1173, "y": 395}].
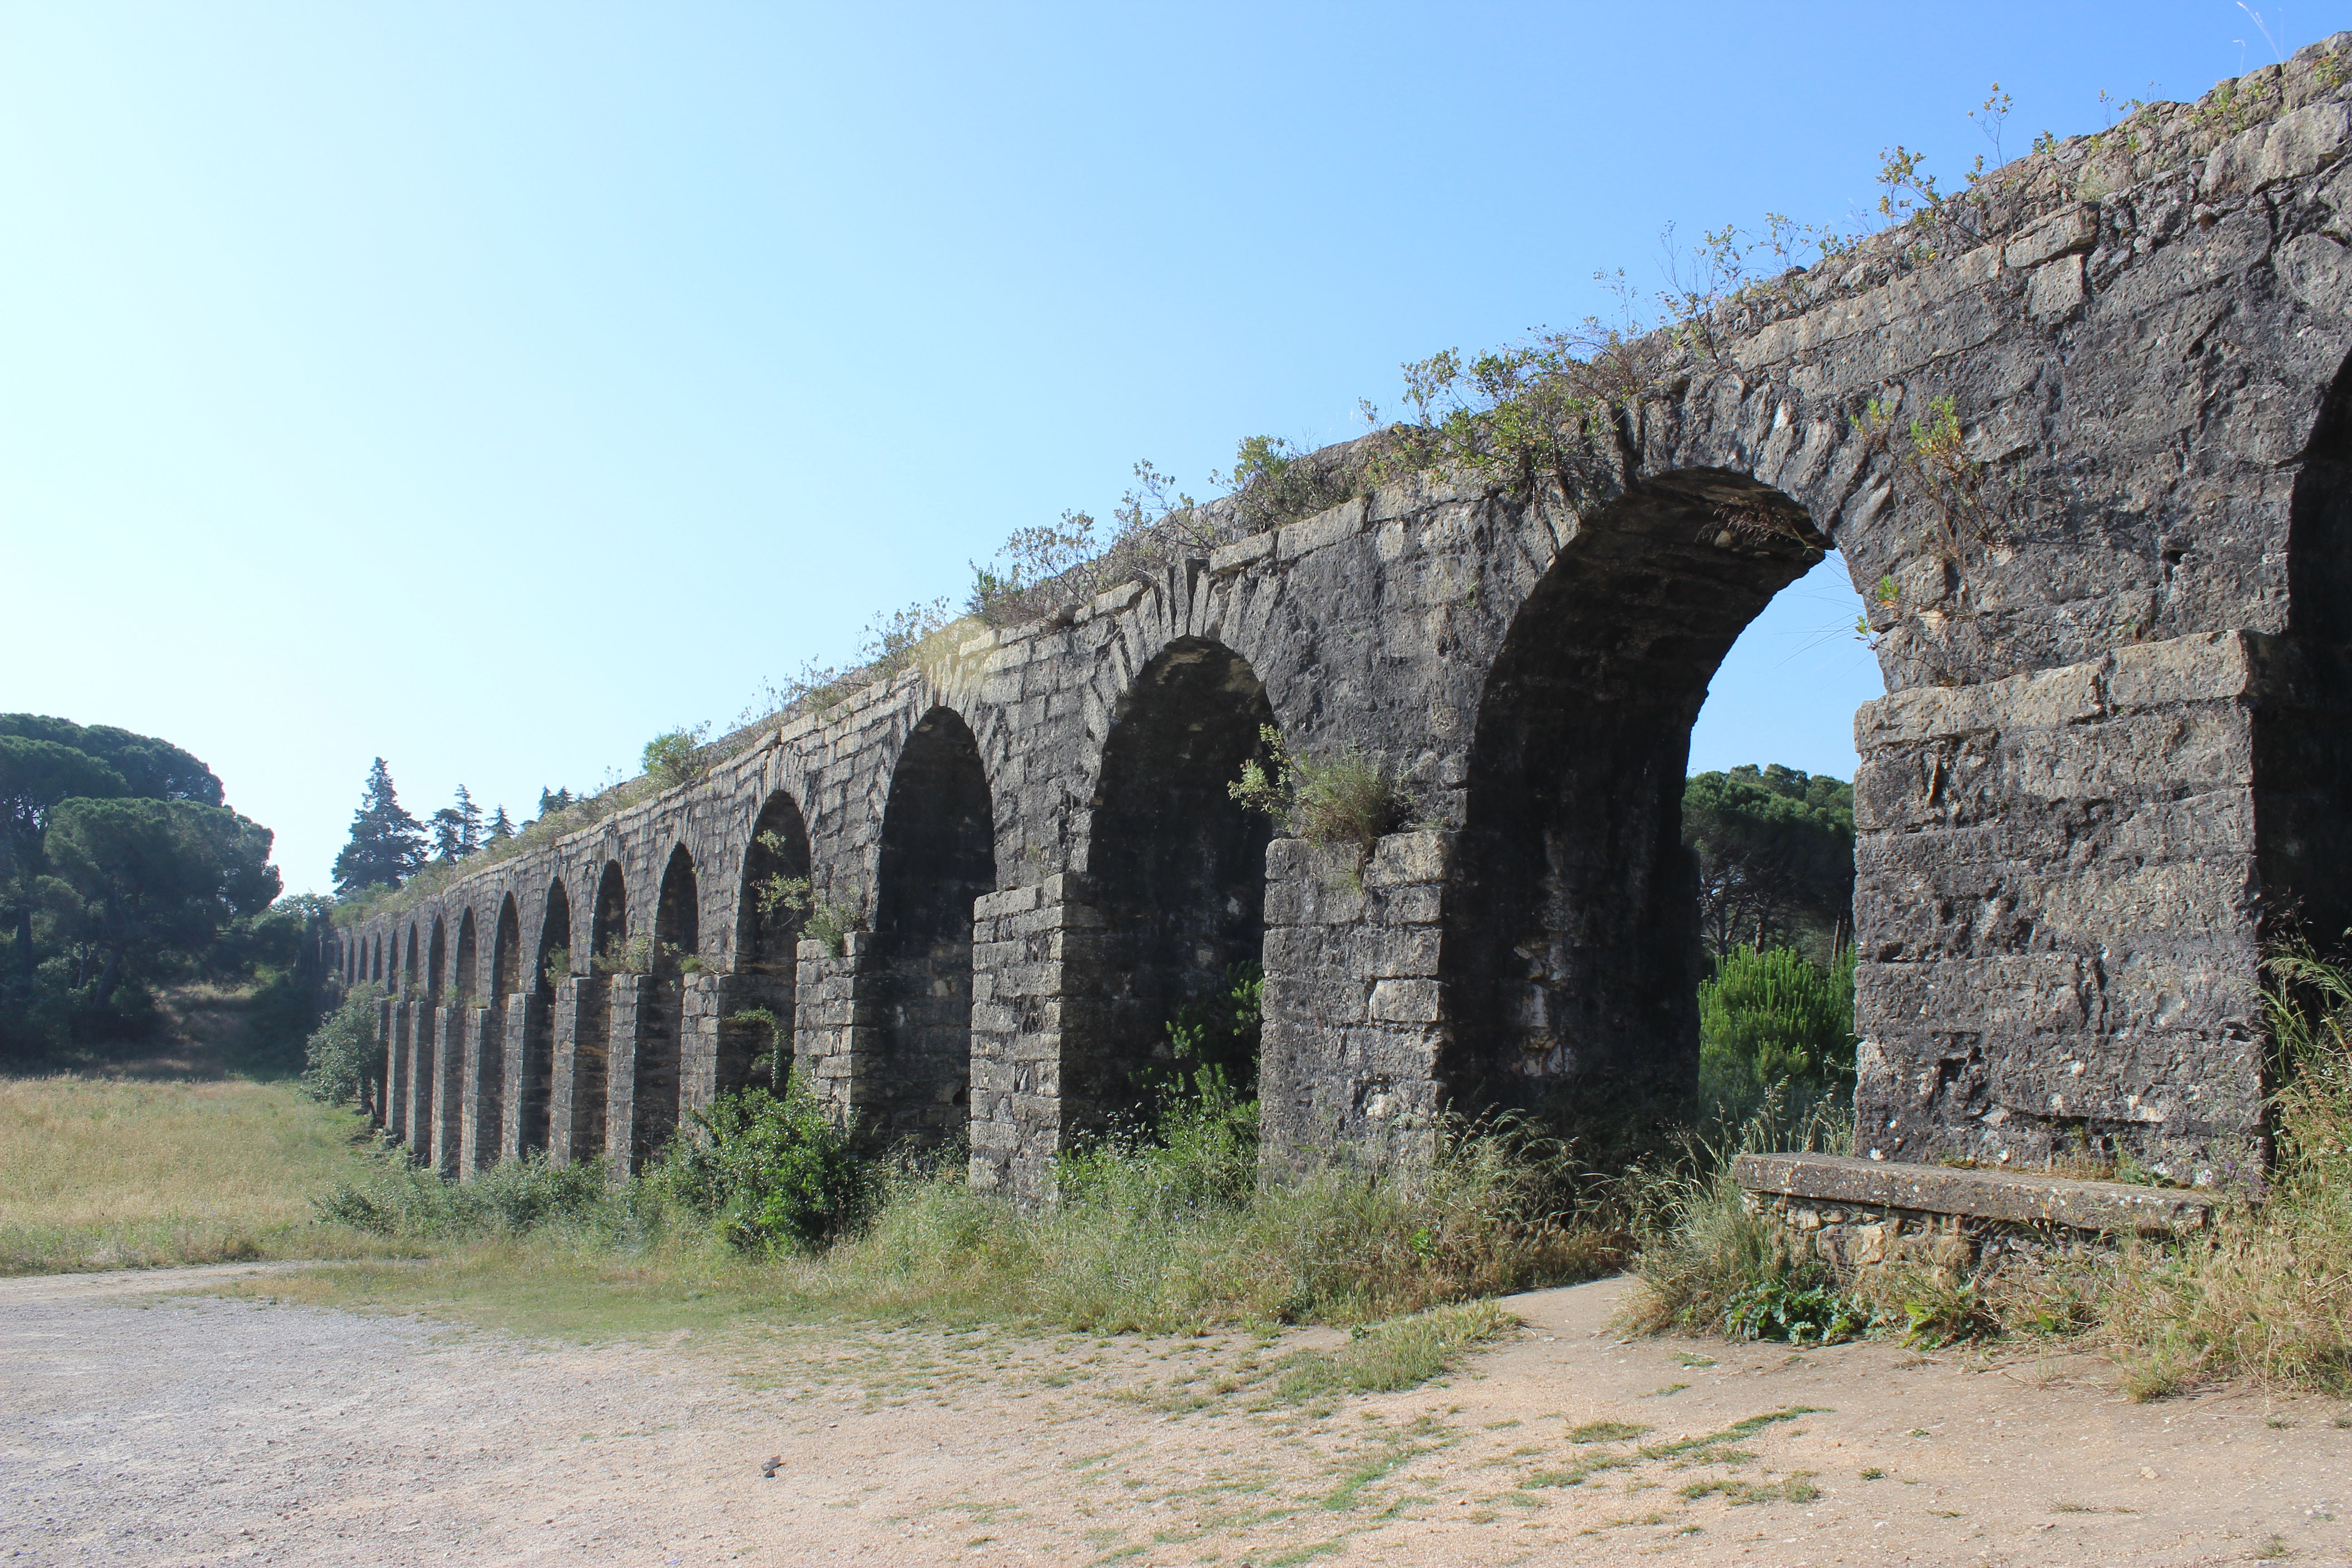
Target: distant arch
[
  {"x": 551, "y": 961},
  {"x": 434, "y": 961},
  {"x": 608, "y": 929},
  {"x": 654, "y": 1105},
  {"x": 506, "y": 951},
  {"x": 462, "y": 983}
]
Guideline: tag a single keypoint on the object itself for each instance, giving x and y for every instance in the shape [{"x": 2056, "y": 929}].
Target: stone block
[{"x": 2015, "y": 1198}]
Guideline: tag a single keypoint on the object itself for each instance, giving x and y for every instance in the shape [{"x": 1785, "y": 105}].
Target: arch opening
[
  {"x": 769, "y": 913},
  {"x": 1572, "y": 949},
  {"x": 767, "y": 923},
  {"x": 537, "y": 1081},
  {"x": 1177, "y": 868},
  {"x": 506, "y": 951},
  {"x": 653, "y": 1106},
  {"x": 938, "y": 855},
  {"x": 463, "y": 981},
  {"x": 608, "y": 928},
  {"x": 2302, "y": 752}
]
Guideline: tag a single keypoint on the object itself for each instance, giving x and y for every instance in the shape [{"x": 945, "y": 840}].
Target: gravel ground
[{"x": 139, "y": 1429}]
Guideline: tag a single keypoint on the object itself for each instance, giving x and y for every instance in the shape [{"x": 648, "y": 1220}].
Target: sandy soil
[{"x": 139, "y": 1429}]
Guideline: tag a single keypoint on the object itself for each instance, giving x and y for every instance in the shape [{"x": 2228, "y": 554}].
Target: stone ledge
[{"x": 2012, "y": 1198}]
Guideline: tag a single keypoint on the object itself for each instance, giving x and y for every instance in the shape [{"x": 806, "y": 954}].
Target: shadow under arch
[
  {"x": 608, "y": 926},
  {"x": 768, "y": 921},
  {"x": 1570, "y": 957},
  {"x": 653, "y": 1102},
  {"x": 938, "y": 855},
  {"x": 536, "y": 1082},
  {"x": 1176, "y": 867},
  {"x": 2303, "y": 744}
]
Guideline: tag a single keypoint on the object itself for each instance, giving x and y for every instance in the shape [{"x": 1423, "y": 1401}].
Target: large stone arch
[{"x": 1570, "y": 954}]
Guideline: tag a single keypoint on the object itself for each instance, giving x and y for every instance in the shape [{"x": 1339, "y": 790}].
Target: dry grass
[{"x": 99, "y": 1172}]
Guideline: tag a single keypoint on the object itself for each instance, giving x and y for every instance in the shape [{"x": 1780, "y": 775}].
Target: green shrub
[
  {"x": 344, "y": 1050},
  {"x": 675, "y": 757},
  {"x": 1773, "y": 1019},
  {"x": 768, "y": 1172},
  {"x": 511, "y": 1199}
]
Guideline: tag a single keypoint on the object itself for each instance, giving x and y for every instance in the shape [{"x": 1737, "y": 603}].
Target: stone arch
[
  {"x": 766, "y": 941},
  {"x": 408, "y": 982},
  {"x": 1176, "y": 868},
  {"x": 435, "y": 954},
  {"x": 2304, "y": 748},
  {"x": 375, "y": 958},
  {"x": 506, "y": 951},
  {"x": 1570, "y": 954},
  {"x": 534, "y": 1109},
  {"x": 654, "y": 1102},
  {"x": 608, "y": 929},
  {"x": 463, "y": 981},
  {"x": 677, "y": 913},
  {"x": 937, "y": 854}
]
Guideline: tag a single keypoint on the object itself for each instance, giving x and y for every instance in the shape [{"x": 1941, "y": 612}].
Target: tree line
[{"x": 122, "y": 870}]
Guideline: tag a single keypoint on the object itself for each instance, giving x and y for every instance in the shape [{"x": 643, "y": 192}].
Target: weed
[
  {"x": 1797, "y": 1488},
  {"x": 1874, "y": 1473},
  {"x": 1607, "y": 1432},
  {"x": 1352, "y": 800}
]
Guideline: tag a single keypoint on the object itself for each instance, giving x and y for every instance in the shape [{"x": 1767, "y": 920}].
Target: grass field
[{"x": 117, "y": 1172}]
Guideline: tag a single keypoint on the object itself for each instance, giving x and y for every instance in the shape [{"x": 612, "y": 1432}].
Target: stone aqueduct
[{"x": 2111, "y": 767}]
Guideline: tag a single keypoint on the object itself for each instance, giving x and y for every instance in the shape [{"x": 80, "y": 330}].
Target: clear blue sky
[{"x": 493, "y": 387}]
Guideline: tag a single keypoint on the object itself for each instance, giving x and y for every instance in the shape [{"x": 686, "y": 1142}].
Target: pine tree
[
  {"x": 553, "y": 799},
  {"x": 501, "y": 828},
  {"x": 458, "y": 828},
  {"x": 387, "y": 845}
]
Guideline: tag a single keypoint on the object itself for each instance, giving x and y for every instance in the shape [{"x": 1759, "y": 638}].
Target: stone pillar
[
  {"x": 1025, "y": 944},
  {"x": 450, "y": 1089},
  {"x": 485, "y": 1047},
  {"x": 395, "y": 1071},
  {"x": 389, "y": 1042},
  {"x": 576, "y": 1092},
  {"x": 424, "y": 1053},
  {"x": 520, "y": 1013},
  {"x": 629, "y": 1008},
  {"x": 1354, "y": 1030},
  {"x": 2058, "y": 900},
  {"x": 830, "y": 1038},
  {"x": 697, "y": 1041}
]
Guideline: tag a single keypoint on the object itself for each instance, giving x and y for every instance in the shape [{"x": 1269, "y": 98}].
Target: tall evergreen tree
[
  {"x": 458, "y": 828},
  {"x": 501, "y": 828},
  {"x": 387, "y": 845}
]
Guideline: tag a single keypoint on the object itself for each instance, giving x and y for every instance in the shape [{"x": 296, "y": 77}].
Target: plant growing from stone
[
  {"x": 817, "y": 919},
  {"x": 1351, "y": 800}
]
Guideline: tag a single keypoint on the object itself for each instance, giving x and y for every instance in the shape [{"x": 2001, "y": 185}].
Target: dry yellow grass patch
[{"x": 112, "y": 1172}]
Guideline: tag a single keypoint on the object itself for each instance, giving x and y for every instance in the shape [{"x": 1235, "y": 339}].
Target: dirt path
[{"x": 137, "y": 1428}]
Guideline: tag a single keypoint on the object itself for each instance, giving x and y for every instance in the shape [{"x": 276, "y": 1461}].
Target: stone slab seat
[{"x": 2009, "y": 1197}]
